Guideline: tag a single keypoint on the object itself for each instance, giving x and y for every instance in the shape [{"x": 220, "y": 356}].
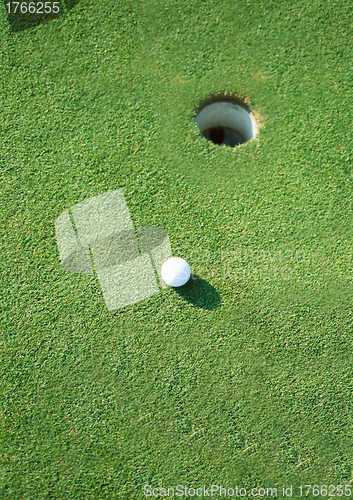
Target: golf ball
[{"x": 175, "y": 271}]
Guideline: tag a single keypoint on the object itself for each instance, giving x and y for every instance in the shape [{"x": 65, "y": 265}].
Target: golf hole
[{"x": 226, "y": 122}]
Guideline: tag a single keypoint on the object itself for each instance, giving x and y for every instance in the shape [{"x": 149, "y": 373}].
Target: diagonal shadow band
[
  {"x": 27, "y": 15},
  {"x": 199, "y": 293}
]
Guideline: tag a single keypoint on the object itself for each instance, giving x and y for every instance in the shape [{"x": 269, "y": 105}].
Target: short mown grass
[{"x": 255, "y": 390}]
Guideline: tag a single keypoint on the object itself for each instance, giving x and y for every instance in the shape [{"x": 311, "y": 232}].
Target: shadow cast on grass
[
  {"x": 200, "y": 293},
  {"x": 70, "y": 4},
  {"x": 42, "y": 13}
]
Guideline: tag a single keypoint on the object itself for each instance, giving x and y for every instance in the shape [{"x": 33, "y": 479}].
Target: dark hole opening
[{"x": 217, "y": 135}]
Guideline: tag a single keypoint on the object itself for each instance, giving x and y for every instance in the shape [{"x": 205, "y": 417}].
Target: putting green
[{"x": 243, "y": 377}]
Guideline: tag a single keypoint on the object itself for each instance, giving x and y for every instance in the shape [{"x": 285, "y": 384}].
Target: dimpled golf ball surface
[{"x": 175, "y": 271}]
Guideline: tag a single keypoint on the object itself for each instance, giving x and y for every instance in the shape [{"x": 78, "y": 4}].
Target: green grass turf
[{"x": 256, "y": 391}]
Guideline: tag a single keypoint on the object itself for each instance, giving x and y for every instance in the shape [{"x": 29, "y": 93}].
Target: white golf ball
[{"x": 175, "y": 271}]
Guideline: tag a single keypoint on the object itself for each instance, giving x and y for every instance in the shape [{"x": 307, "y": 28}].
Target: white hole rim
[{"x": 227, "y": 114}]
